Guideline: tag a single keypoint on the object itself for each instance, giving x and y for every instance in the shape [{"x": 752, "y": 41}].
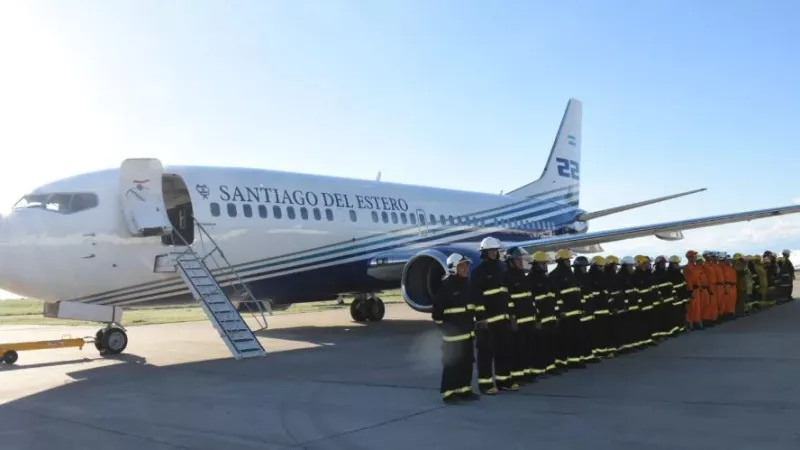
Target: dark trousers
[
  {"x": 457, "y": 360},
  {"x": 586, "y": 339},
  {"x": 524, "y": 347},
  {"x": 601, "y": 337},
  {"x": 625, "y": 329},
  {"x": 495, "y": 351},
  {"x": 570, "y": 337},
  {"x": 545, "y": 348}
]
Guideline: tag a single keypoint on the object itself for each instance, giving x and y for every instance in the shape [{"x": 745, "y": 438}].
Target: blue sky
[{"x": 461, "y": 94}]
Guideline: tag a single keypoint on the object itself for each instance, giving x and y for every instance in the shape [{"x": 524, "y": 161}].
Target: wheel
[
  {"x": 357, "y": 310},
  {"x": 115, "y": 340},
  {"x": 375, "y": 309},
  {"x": 99, "y": 338},
  {"x": 10, "y": 357}
]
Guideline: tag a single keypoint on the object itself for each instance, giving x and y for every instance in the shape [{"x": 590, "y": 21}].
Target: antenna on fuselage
[
  {"x": 378, "y": 178},
  {"x": 501, "y": 192}
]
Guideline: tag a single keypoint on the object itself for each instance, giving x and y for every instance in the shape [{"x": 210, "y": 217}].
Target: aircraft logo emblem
[{"x": 203, "y": 190}]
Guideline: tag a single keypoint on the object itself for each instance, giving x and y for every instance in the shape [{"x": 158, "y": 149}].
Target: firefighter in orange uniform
[
  {"x": 730, "y": 283},
  {"x": 710, "y": 311}
]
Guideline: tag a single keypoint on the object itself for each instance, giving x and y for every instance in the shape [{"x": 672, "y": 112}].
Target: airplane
[{"x": 101, "y": 241}]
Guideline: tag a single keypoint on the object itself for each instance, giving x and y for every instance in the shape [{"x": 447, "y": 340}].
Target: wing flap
[
  {"x": 619, "y": 209},
  {"x": 600, "y": 237}
]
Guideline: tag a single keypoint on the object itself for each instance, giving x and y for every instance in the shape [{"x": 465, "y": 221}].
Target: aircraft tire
[
  {"x": 357, "y": 311},
  {"x": 115, "y": 341},
  {"x": 10, "y": 357},
  {"x": 98, "y": 339},
  {"x": 376, "y": 310}
]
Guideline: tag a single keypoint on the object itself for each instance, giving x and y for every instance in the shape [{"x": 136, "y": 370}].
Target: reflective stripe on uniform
[
  {"x": 602, "y": 311},
  {"x": 572, "y": 313},
  {"x": 499, "y": 290},
  {"x": 480, "y": 308},
  {"x": 630, "y": 291},
  {"x": 587, "y": 318},
  {"x": 548, "y": 319},
  {"x": 526, "y": 319},
  {"x": 568, "y": 290},
  {"x": 633, "y": 308},
  {"x": 459, "y": 337},
  {"x": 456, "y": 310},
  {"x": 647, "y": 308},
  {"x": 497, "y": 318},
  {"x": 521, "y": 295}
]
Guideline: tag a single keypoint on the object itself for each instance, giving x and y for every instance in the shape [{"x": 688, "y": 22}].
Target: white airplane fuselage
[{"x": 291, "y": 237}]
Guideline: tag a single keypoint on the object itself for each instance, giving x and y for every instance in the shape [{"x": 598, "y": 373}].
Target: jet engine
[{"x": 422, "y": 275}]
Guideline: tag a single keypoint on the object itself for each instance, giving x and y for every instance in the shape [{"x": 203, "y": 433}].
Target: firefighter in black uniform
[
  {"x": 616, "y": 306},
  {"x": 523, "y": 314},
  {"x": 579, "y": 267},
  {"x": 546, "y": 341},
  {"x": 629, "y": 313},
  {"x": 598, "y": 340},
  {"x": 568, "y": 298},
  {"x": 648, "y": 296},
  {"x": 680, "y": 293},
  {"x": 664, "y": 307},
  {"x": 454, "y": 313},
  {"x": 787, "y": 277},
  {"x": 493, "y": 334}
]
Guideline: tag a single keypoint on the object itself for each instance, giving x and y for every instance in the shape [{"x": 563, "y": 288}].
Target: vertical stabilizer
[{"x": 563, "y": 167}]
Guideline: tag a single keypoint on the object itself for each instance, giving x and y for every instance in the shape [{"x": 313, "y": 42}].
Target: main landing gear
[
  {"x": 111, "y": 340},
  {"x": 367, "y": 307}
]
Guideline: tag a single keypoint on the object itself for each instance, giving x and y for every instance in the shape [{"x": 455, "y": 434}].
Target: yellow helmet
[
  {"x": 675, "y": 259},
  {"x": 563, "y": 254},
  {"x": 599, "y": 260},
  {"x": 541, "y": 257},
  {"x": 611, "y": 259},
  {"x": 641, "y": 259},
  {"x": 757, "y": 258},
  {"x": 738, "y": 256}
]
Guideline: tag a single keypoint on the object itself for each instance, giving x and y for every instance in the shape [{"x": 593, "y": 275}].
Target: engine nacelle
[{"x": 423, "y": 273}]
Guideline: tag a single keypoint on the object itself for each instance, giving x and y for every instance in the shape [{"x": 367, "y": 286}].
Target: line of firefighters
[{"x": 529, "y": 324}]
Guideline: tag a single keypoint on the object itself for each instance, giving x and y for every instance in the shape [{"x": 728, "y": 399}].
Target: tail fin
[{"x": 564, "y": 164}]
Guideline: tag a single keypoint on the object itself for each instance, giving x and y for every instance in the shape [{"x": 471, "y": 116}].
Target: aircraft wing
[{"x": 599, "y": 237}]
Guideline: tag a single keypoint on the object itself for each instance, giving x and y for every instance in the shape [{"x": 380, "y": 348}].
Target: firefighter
[
  {"x": 648, "y": 296},
  {"x": 742, "y": 273},
  {"x": 523, "y": 314},
  {"x": 568, "y": 298},
  {"x": 710, "y": 311},
  {"x": 730, "y": 282},
  {"x": 695, "y": 281},
  {"x": 453, "y": 312},
  {"x": 760, "y": 284},
  {"x": 579, "y": 267},
  {"x": 616, "y": 305},
  {"x": 546, "y": 343},
  {"x": 628, "y": 312},
  {"x": 488, "y": 288},
  {"x": 598, "y": 340},
  {"x": 680, "y": 295},
  {"x": 664, "y": 307},
  {"x": 787, "y": 277},
  {"x": 768, "y": 262}
]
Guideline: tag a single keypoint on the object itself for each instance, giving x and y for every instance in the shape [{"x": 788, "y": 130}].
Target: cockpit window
[{"x": 62, "y": 202}]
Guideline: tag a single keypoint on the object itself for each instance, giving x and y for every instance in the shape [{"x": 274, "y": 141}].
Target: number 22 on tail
[{"x": 568, "y": 168}]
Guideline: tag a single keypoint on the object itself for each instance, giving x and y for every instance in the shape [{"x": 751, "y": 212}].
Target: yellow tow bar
[{"x": 10, "y": 351}]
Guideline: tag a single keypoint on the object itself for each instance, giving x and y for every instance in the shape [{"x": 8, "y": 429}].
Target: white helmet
[
  {"x": 490, "y": 243},
  {"x": 787, "y": 252},
  {"x": 454, "y": 260},
  {"x": 627, "y": 261}
]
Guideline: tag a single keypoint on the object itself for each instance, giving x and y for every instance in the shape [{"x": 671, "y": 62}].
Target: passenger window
[
  {"x": 403, "y": 218},
  {"x": 353, "y": 216},
  {"x": 328, "y": 214},
  {"x": 433, "y": 219},
  {"x": 247, "y": 210},
  {"x": 262, "y": 211},
  {"x": 385, "y": 217},
  {"x": 375, "y": 216},
  {"x": 317, "y": 214},
  {"x": 413, "y": 218},
  {"x": 304, "y": 213},
  {"x": 276, "y": 212},
  {"x": 452, "y": 220},
  {"x": 290, "y": 212},
  {"x": 394, "y": 217},
  {"x": 215, "y": 209},
  {"x": 422, "y": 219},
  {"x": 232, "y": 209},
  {"x": 442, "y": 219}
]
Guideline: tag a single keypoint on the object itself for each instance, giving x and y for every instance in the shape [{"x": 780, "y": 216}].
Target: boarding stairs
[{"x": 205, "y": 271}]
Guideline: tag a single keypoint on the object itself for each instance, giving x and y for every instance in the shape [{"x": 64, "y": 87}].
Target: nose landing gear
[{"x": 111, "y": 340}]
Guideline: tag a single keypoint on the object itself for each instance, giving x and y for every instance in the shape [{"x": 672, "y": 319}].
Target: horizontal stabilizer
[{"x": 619, "y": 209}]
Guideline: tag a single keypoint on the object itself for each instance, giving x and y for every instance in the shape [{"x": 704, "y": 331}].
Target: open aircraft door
[
  {"x": 142, "y": 198},
  {"x": 422, "y": 223}
]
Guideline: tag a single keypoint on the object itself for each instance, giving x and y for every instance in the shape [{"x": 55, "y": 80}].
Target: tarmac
[{"x": 328, "y": 383}]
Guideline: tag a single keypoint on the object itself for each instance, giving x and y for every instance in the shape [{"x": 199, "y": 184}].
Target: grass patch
[{"x": 29, "y": 312}]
